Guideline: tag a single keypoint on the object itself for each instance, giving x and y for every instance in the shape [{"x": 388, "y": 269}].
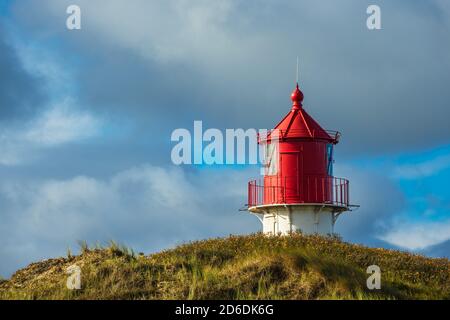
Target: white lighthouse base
[{"x": 305, "y": 218}]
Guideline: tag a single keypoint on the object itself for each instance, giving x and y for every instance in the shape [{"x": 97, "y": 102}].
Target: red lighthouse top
[
  {"x": 299, "y": 166},
  {"x": 299, "y": 124}
]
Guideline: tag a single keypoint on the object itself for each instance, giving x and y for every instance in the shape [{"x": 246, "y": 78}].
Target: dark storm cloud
[
  {"x": 441, "y": 250},
  {"x": 233, "y": 64},
  {"x": 20, "y": 92},
  {"x": 124, "y": 83}
]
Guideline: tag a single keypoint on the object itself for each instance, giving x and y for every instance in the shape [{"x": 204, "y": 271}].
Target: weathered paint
[{"x": 308, "y": 219}]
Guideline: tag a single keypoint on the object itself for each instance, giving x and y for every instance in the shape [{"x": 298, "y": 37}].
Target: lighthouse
[{"x": 298, "y": 191}]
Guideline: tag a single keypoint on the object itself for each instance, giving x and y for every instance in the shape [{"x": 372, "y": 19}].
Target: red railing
[
  {"x": 335, "y": 135},
  {"x": 323, "y": 190},
  {"x": 259, "y": 194}
]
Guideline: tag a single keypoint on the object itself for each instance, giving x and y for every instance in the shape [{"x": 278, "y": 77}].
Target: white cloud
[
  {"x": 147, "y": 207},
  {"x": 417, "y": 236},
  {"x": 56, "y": 126},
  {"x": 61, "y": 125},
  {"x": 163, "y": 30},
  {"x": 423, "y": 169},
  {"x": 214, "y": 36}
]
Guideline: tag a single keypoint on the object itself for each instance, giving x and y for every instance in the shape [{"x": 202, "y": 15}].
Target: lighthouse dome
[
  {"x": 297, "y": 96},
  {"x": 299, "y": 124}
]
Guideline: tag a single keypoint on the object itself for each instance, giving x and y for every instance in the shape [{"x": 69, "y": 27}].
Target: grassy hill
[{"x": 244, "y": 267}]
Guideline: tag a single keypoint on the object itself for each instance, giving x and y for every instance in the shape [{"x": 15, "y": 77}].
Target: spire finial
[{"x": 297, "y": 95}]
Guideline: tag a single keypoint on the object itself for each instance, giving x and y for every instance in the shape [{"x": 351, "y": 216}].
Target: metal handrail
[
  {"x": 323, "y": 190},
  {"x": 335, "y": 135}
]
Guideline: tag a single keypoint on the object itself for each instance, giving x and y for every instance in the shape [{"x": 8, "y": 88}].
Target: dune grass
[{"x": 237, "y": 267}]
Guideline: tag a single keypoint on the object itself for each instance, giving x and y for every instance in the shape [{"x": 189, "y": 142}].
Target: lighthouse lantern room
[{"x": 298, "y": 191}]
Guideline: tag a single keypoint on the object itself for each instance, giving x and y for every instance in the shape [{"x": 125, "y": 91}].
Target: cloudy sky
[{"x": 86, "y": 117}]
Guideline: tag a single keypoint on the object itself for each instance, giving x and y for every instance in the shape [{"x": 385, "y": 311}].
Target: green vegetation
[{"x": 237, "y": 267}]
